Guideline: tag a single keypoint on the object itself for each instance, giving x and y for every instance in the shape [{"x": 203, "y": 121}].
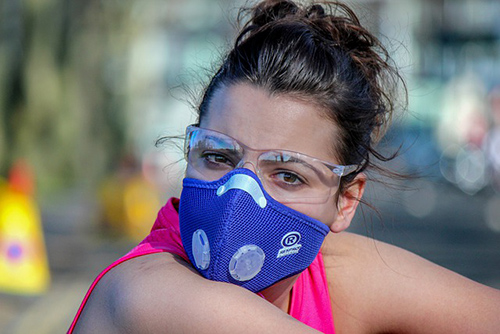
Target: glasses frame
[{"x": 339, "y": 170}]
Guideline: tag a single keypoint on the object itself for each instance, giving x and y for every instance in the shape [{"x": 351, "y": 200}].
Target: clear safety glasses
[{"x": 289, "y": 177}]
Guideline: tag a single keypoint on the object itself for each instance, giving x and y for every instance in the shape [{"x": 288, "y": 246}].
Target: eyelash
[{"x": 207, "y": 156}]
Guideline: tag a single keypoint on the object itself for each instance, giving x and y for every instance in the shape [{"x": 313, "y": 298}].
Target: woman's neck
[{"x": 279, "y": 294}]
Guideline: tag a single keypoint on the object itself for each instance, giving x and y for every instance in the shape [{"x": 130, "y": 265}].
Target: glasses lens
[
  {"x": 292, "y": 177},
  {"x": 212, "y": 154}
]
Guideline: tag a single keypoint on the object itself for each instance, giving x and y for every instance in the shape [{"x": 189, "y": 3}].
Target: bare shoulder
[
  {"x": 377, "y": 287},
  {"x": 161, "y": 293},
  {"x": 129, "y": 294}
]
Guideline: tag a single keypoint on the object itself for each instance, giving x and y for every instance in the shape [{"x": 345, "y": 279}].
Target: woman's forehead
[{"x": 264, "y": 121}]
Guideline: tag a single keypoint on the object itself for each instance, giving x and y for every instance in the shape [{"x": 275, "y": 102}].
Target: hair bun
[
  {"x": 272, "y": 10},
  {"x": 316, "y": 11}
]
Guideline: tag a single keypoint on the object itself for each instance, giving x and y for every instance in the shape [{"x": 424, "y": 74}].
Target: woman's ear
[{"x": 348, "y": 202}]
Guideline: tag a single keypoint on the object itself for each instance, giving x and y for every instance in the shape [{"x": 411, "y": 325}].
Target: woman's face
[{"x": 261, "y": 121}]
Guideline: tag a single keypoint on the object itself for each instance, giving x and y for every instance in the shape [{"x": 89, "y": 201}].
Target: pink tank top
[{"x": 310, "y": 299}]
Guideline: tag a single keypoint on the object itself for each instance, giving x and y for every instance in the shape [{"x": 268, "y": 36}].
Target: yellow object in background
[
  {"x": 130, "y": 200},
  {"x": 141, "y": 205},
  {"x": 130, "y": 206},
  {"x": 23, "y": 261},
  {"x": 24, "y": 267}
]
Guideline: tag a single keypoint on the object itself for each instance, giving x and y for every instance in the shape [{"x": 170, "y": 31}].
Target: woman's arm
[
  {"x": 383, "y": 287},
  {"x": 161, "y": 293}
]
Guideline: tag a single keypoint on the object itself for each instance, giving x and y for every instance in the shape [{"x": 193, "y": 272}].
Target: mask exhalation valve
[
  {"x": 201, "y": 249},
  {"x": 246, "y": 263}
]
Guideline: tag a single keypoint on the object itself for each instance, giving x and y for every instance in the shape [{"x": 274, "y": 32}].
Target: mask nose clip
[{"x": 246, "y": 183}]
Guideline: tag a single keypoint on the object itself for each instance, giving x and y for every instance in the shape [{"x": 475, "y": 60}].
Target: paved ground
[{"x": 437, "y": 222}]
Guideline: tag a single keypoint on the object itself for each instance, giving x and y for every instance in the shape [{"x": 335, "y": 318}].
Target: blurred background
[{"x": 87, "y": 87}]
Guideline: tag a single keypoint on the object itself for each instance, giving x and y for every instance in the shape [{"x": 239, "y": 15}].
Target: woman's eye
[
  {"x": 289, "y": 178},
  {"x": 217, "y": 159}
]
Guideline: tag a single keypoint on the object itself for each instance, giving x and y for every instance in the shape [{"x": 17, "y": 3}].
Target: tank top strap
[{"x": 310, "y": 300}]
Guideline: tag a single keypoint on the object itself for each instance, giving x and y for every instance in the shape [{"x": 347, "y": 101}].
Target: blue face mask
[{"x": 233, "y": 231}]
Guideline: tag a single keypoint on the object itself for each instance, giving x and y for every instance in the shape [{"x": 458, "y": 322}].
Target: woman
[{"x": 286, "y": 128}]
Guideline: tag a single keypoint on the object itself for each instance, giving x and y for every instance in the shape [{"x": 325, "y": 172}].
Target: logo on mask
[{"x": 290, "y": 243}]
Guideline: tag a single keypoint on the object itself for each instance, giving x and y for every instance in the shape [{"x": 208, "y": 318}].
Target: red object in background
[{"x": 21, "y": 178}]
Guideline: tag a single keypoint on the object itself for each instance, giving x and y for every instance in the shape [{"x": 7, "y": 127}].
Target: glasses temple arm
[{"x": 349, "y": 169}]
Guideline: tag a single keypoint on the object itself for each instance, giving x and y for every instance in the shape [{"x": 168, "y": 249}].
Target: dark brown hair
[{"x": 319, "y": 53}]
